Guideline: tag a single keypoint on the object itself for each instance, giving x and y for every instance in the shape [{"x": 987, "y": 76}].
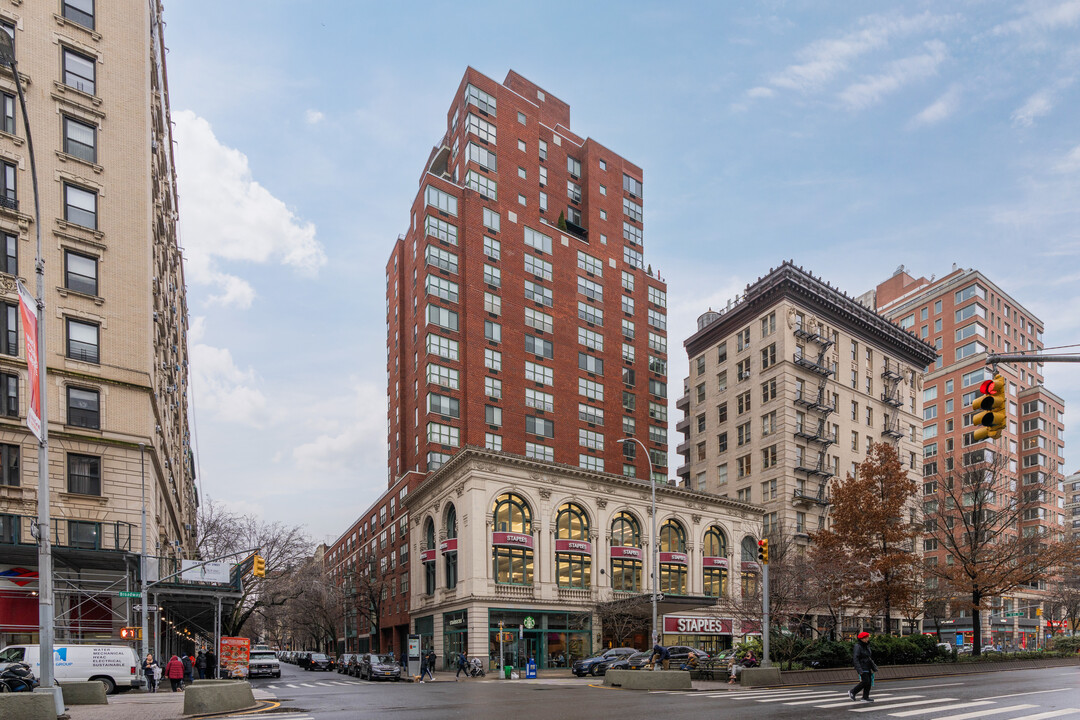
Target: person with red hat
[{"x": 865, "y": 666}]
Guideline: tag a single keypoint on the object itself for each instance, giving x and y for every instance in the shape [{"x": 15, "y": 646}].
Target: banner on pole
[{"x": 28, "y": 311}]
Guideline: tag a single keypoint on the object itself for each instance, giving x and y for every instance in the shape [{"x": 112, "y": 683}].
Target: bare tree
[
  {"x": 366, "y": 590},
  {"x": 625, "y": 617},
  {"x": 833, "y": 584},
  {"x": 1065, "y": 592},
  {"x": 990, "y": 529}
]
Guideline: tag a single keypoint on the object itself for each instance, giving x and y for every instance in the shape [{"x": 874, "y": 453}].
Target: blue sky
[{"x": 850, "y": 137}]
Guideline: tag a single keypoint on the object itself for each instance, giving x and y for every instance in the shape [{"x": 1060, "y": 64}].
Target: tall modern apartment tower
[
  {"x": 115, "y": 312},
  {"x": 965, "y": 315},
  {"x": 521, "y": 316}
]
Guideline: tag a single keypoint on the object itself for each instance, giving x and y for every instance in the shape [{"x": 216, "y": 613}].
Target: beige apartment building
[
  {"x": 788, "y": 387},
  {"x": 115, "y": 308}
]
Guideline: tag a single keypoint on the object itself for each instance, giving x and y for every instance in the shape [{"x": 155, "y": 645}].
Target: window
[
  {"x": 590, "y": 289},
  {"x": 80, "y": 140},
  {"x": 539, "y": 346},
  {"x": 743, "y": 468},
  {"x": 742, "y": 370},
  {"x": 482, "y": 128},
  {"x": 537, "y": 267},
  {"x": 768, "y": 390},
  {"x": 768, "y": 424},
  {"x": 973, "y": 310},
  {"x": 492, "y": 275},
  {"x": 632, "y": 209},
  {"x": 591, "y": 265},
  {"x": 586, "y": 413},
  {"x": 492, "y": 303},
  {"x": 968, "y": 293},
  {"x": 8, "y": 196},
  {"x": 10, "y": 258},
  {"x": 573, "y": 191},
  {"x": 435, "y": 285},
  {"x": 590, "y": 364},
  {"x": 83, "y": 409},
  {"x": 492, "y": 359},
  {"x": 537, "y": 240},
  {"x": 590, "y": 439},
  {"x": 9, "y": 329},
  {"x": 9, "y": 467},
  {"x": 626, "y": 532},
  {"x": 482, "y": 184},
  {"x": 592, "y": 390},
  {"x": 538, "y": 373},
  {"x": 657, "y": 365},
  {"x": 721, "y": 412},
  {"x": 657, "y": 320},
  {"x": 9, "y": 394},
  {"x": 590, "y": 314},
  {"x": 628, "y": 329},
  {"x": 593, "y": 340},
  {"x": 628, "y": 281},
  {"x": 440, "y": 200},
  {"x": 633, "y": 257},
  {"x": 538, "y": 320},
  {"x": 78, "y": 71},
  {"x": 658, "y": 388},
  {"x": 493, "y": 387},
  {"x": 444, "y": 405},
  {"x": 491, "y": 221},
  {"x": 743, "y": 434},
  {"x": 84, "y": 474},
  {"x": 83, "y": 534},
  {"x": 492, "y": 247},
  {"x": 481, "y": 156},
  {"x": 972, "y": 348},
  {"x": 657, "y": 296},
  {"x": 632, "y": 186},
  {"x": 742, "y": 402},
  {"x": 539, "y": 426},
  {"x": 444, "y": 318},
  {"x": 492, "y": 441},
  {"x": 484, "y": 102},
  {"x": 7, "y": 122},
  {"x": 493, "y": 415},
  {"x": 721, "y": 442},
  {"x": 632, "y": 233},
  {"x": 768, "y": 356},
  {"x": 443, "y": 347},
  {"x": 443, "y": 376},
  {"x": 628, "y": 352},
  {"x": 512, "y": 565},
  {"x": 82, "y": 341},
  {"x": 768, "y": 324},
  {"x": 657, "y": 342},
  {"x": 573, "y": 569},
  {"x": 573, "y": 166},
  {"x": 443, "y": 434}
]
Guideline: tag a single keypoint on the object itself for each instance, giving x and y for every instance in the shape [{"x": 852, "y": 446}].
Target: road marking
[
  {"x": 323, "y": 684},
  {"x": 893, "y": 704},
  {"x": 981, "y": 713},
  {"x": 1052, "y": 713},
  {"x": 817, "y": 700},
  {"x": 1033, "y": 692},
  {"x": 292, "y": 686},
  {"x": 792, "y": 696},
  {"x": 959, "y": 706},
  {"x": 307, "y": 684},
  {"x": 270, "y": 687}
]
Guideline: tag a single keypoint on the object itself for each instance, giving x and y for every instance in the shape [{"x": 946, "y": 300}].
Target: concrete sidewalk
[{"x": 166, "y": 705}]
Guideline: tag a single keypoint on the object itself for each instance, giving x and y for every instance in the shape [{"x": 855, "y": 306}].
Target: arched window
[
  {"x": 429, "y": 566},
  {"x": 625, "y": 563},
  {"x": 512, "y": 544},
  {"x": 450, "y": 556},
  {"x": 715, "y": 576},
  {"x": 748, "y": 554},
  {"x": 573, "y": 558},
  {"x": 672, "y": 558}
]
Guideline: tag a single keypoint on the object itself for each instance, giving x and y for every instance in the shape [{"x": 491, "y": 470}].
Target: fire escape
[
  {"x": 815, "y": 430},
  {"x": 891, "y": 396}
]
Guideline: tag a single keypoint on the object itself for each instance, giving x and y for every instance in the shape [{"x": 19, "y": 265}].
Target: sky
[{"x": 851, "y": 138}]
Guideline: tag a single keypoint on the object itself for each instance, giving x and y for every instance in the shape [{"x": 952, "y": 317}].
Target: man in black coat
[{"x": 865, "y": 666}]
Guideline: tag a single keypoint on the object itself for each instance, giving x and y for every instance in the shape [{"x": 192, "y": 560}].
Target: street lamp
[
  {"x": 655, "y": 540},
  {"x": 45, "y": 580}
]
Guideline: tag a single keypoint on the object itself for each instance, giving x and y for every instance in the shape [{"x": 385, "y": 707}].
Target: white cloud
[
  {"x": 1039, "y": 104},
  {"x": 225, "y": 391},
  {"x": 313, "y": 117},
  {"x": 940, "y": 109},
  {"x": 226, "y": 216},
  {"x": 872, "y": 89},
  {"x": 352, "y": 432},
  {"x": 1071, "y": 161},
  {"x": 1042, "y": 16},
  {"x": 196, "y": 328},
  {"x": 823, "y": 60},
  {"x": 760, "y": 92}
]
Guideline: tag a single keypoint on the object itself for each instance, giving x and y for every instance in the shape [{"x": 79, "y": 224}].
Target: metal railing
[{"x": 67, "y": 533}]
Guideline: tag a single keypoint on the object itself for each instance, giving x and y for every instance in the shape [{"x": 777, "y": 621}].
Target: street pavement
[{"x": 1012, "y": 695}]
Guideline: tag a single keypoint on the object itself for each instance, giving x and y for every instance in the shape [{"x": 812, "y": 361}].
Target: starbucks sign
[{"x": 529, "y": 622}]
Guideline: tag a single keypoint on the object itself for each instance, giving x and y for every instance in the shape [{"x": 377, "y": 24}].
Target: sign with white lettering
[
  {"x": 448, "y": 546},
  {"x": 507, "y": 539},
  {"x": 628, "y": 553},
  {"x": 696, "y": 625},
  {"x": 580, "y": 547},
  {"x": 216, "y": 572},
  {"x": 427, "y": 556},
  {"x": 714, "y": 562},
  {"x": 750, "y": 566},
  {"x": 673, "y": 558}
]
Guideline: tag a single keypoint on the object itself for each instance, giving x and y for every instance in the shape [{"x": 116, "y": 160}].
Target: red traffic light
[{"x": 987, "y": 387}]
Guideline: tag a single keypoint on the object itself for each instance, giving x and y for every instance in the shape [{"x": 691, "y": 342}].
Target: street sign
[
  {"x": 130, "y": 594},
  {"x": 1015, "y": 613}
]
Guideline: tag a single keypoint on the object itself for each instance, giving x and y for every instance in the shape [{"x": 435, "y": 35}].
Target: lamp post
[
  {"x": 655, "y": 540},
  {"x": 143, "y": 563},
  {"x": 45, "y": 580}
]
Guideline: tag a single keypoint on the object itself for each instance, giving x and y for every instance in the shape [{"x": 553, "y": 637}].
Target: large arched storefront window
[
  {"x": 714, "y": 563},
  {"x": 449, "y": 548},
  {"x": 573, "y": 551},
  {"x": 749, "y": 566},
  {"x": 673, "y": 558},
  {"x": 429, "y": 557},
  {"x": 512, "y": 541},
  {"x": 626, "y": 553}
]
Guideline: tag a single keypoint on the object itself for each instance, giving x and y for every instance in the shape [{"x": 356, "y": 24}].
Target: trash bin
[{"x": 507, "y": 669}]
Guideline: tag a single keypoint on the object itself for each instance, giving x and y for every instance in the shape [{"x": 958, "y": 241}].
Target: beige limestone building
[
  {"x": 788, "y": 387},
  {"x": 116, "y": 314},
  {"x": 538, "y": 546}
]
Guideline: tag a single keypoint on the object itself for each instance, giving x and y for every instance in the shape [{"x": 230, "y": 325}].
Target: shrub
[{"x": 1066, "y": 643}]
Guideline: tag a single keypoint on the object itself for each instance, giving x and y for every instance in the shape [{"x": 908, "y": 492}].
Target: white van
[{"x": 117, "y": 666}]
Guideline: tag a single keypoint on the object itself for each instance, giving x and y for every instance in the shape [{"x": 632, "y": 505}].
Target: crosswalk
[
  {"x": 325, "y": 683},
  {"x": 901, "y": 703}
]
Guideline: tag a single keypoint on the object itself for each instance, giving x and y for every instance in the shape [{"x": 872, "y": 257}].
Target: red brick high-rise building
[{"x": 521, "y": 315}]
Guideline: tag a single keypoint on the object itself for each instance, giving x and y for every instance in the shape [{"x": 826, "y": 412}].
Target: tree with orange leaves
[{"x": 873, "y": 531}]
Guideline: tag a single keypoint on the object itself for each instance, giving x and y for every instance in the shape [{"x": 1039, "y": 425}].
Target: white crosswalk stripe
[
  {"x": 985, "y": 712},
  {"x": 957, "y": 706},
  {"x": 1050, "y": 714},
  {"x": 292, "y": 686},
  {"x": 893, "y": 704},
  {"x": 834, "y": 697},
  {"x": 271, "y": 687}
]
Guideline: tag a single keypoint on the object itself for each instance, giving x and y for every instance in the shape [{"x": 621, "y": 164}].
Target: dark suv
[
  {"x": 344, "y": 661},
  {"x": 319, "y": 661},
  {"x": 379, "y": 667},
  {"x": 588, "y": 666}
]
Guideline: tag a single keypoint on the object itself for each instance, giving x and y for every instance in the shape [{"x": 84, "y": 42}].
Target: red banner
[
  {"x": 628, "y": 553},
  {"x": 673, "y": 558},
  {"x": 580, "y": 547},
  {"x": 750, "y": 566},
  {"x": 714, "y": 562},
  {"x": 448, "y": 546},
  {"x": 28, "y": 311},
  {"x": 696, "y": 625},
  {"x": 427, "y": 556},
  {"x": 506, "y": 539}
]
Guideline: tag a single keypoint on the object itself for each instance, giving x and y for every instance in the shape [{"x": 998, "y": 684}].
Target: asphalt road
[{"x": 1023, "y": 695}]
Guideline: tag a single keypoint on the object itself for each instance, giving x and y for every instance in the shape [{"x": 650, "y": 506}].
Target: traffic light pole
[
  {"x": 995, "y": 358},
  {"x": 765, "y": 662}
]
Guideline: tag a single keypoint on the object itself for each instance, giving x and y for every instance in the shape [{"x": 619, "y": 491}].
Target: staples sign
[
  {"x": 581, "y": 547},
  {"x": 675, "y": 558},
  {"x": 507, "y": 539},
  {"x": 627, "y": 553},
  {"x": 696, "y": 625},
  {"x": 448, "y": 546},
  {"x": 714, "y": 562}
]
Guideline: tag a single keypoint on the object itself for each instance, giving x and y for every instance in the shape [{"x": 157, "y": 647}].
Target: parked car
[
  {"x": 264, "y": 662},
  {"x": 343, "y": 662},
  {"x": 628, "y": 662},
  {"x": 318, "y": 661},
  {"x": 679, "y": 653},
  {"x": 353, "y": 668},
  {"x": 588, "y": 665},
  {"x": 379, "y": 667}
]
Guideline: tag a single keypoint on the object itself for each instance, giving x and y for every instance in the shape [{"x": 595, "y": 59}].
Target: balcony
[
  {"x": 892, "y": 429},
  {"x": 892, "y": 398},
  {"x": 891, "y": 372},
  {"x": 514, "y": 592},
  {"x": 85, "y": 535},
  {"x": 8, "y": 202},
  {"x": 819, "y": 435},
  {"x": 816, "y": 402},
  {"x": 683, "y": 425},
  {"x": 819, "y": 470},
  {"x": 683, "y": 403},
  {"x": 805, "y": 499},
  {"x": 577, "y": 231},
  {"x": 575, "y": 595},
  {"x": 816, "y": 366}
]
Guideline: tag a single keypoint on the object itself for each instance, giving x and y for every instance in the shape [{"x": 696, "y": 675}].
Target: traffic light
[
  {"x": 131, "y": 633},
  {"x": 989, "y": 409},
  {"x": 1038, "y": 612},
  {"x": 258, "y": 566},
  {"x": 763, "y": 552}
]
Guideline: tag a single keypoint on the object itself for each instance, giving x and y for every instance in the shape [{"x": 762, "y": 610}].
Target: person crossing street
[{"x": 865, "y": 666}]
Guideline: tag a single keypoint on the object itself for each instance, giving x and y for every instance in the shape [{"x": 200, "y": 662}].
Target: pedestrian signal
[
  {"x": 131, "y": 633},
  {"x": 258, "y": 566},
  {"x": 763, "y": 552},
  {"x": 989, "y": 409}
]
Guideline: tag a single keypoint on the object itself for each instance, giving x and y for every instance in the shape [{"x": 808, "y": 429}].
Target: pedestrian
[
  {"x": 189, "y": 668},
  {"x": 200, "y": 663},
  {"x": 431, "y": 663},
  {"x": 174, "y": 670},
  {"x": 661, "y": 655},
  {"x": 865, "y": 666},
  {"x": 462, "y": 665},
  {"x": 425, "y": 667},
  {"x": 733, "y": 665},
  {"x": 211, "y": 664},
  {"x": 150, "y": 668}
]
